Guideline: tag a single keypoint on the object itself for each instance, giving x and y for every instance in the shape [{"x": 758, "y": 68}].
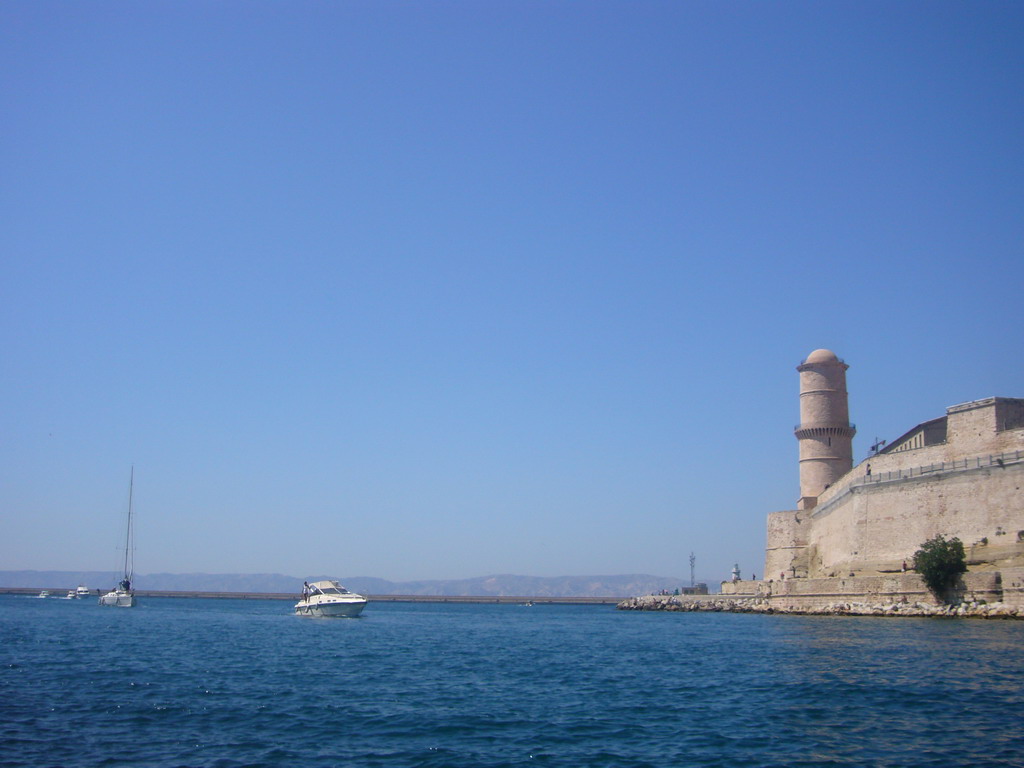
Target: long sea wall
[
  {"x": 987, "y": 594},
  {"x": 721, "y": 604}
]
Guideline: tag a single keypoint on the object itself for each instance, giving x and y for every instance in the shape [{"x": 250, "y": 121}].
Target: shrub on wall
[{"x": 940, "y": 561}]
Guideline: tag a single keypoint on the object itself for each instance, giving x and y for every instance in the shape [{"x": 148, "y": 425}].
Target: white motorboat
[
  {"x": 329, "y": 598},
  {"x": 122, "y": 595},
  {"x": 44, "y": 594},
  {"x": 82, "y": 591},
  {"x": 71, "y": 595}
]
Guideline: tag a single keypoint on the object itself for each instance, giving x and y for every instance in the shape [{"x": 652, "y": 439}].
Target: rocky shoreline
[{"x": 973, "y": 609}]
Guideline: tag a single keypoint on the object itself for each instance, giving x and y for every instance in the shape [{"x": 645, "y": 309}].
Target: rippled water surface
[{"x": 182, "y": 682}]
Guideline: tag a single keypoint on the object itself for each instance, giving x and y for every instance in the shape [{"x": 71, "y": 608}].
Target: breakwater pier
[
  {"x": 724, "y": 604},
  {"x": 57, "y": 592}
]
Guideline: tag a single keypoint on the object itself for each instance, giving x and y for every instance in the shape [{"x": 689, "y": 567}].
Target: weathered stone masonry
[{"x": 959, "y": 475}]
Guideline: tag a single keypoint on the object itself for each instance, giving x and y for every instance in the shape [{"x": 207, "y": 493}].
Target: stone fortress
[{"x": 855, "y": 529}]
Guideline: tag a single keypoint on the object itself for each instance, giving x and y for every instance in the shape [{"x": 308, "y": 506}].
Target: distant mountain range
[{"x": 505, "y": 585}]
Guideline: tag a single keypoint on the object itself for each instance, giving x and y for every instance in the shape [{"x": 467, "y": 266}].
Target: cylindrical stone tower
[{"x": 825, "y": 432}]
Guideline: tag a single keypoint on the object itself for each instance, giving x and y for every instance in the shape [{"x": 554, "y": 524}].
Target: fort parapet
[{"x": 854, "y": 532}]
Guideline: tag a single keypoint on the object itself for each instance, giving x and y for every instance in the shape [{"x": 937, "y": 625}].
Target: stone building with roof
[{"x": 856, "y": 527}]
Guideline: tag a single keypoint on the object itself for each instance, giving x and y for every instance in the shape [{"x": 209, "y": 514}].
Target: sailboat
[{"x": 122, "y": 595}]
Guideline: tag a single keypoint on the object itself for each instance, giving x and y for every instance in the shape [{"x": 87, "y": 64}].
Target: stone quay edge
[{"x": 717, "y": 604}]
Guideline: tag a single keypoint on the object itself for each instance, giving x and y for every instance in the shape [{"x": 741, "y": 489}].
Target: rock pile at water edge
[{"x": 975, "y": 609}]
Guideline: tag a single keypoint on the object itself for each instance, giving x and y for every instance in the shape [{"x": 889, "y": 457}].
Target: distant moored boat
[{"x": 122, "y": 595}]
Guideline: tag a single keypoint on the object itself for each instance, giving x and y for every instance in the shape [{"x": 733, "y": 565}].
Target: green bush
[{"x": 939, "y": 562}]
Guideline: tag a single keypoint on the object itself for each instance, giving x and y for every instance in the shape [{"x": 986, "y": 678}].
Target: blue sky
[{"x": 446, "y": 289}]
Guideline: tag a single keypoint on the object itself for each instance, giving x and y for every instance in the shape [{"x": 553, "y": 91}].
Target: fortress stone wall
[
  {"x": 960, "y": 475},
  {"x": 1005, "y": 586}
]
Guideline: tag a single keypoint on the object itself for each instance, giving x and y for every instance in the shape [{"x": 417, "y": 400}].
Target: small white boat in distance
[
  {"x": 122, "y": 595},
  {"x": 82, "y": 591},
  {"x": 329, "y": 598},
  {"x": 44, "y": 594}
]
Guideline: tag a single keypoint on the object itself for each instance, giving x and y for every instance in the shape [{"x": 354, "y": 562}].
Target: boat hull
[
  {"x": 118, "y": 599},
  {"x": 347, "y": 609}
]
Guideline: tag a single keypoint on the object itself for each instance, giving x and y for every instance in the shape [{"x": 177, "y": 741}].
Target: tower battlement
[{"x": 825, "y": 432}]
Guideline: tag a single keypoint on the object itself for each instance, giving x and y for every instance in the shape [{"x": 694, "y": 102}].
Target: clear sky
[{"x": 445, "y": 289}]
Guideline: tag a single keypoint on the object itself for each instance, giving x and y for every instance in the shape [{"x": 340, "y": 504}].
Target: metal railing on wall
[
  {"x": 959, "y": 465},
  {"x": 1000, "y": 460}
]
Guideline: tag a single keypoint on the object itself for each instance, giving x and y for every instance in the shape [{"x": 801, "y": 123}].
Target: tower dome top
[{"x": 822, "y": 356}]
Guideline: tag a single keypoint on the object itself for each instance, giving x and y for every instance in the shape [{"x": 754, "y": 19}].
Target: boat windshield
[{"x": 335, "y": 589}]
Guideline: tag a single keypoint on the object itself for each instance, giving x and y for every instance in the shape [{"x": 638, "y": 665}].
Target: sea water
[{"x": 226, "y": 683}]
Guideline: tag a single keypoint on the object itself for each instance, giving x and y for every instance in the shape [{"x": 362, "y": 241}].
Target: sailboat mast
[{"x": 128, "y": 534}]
